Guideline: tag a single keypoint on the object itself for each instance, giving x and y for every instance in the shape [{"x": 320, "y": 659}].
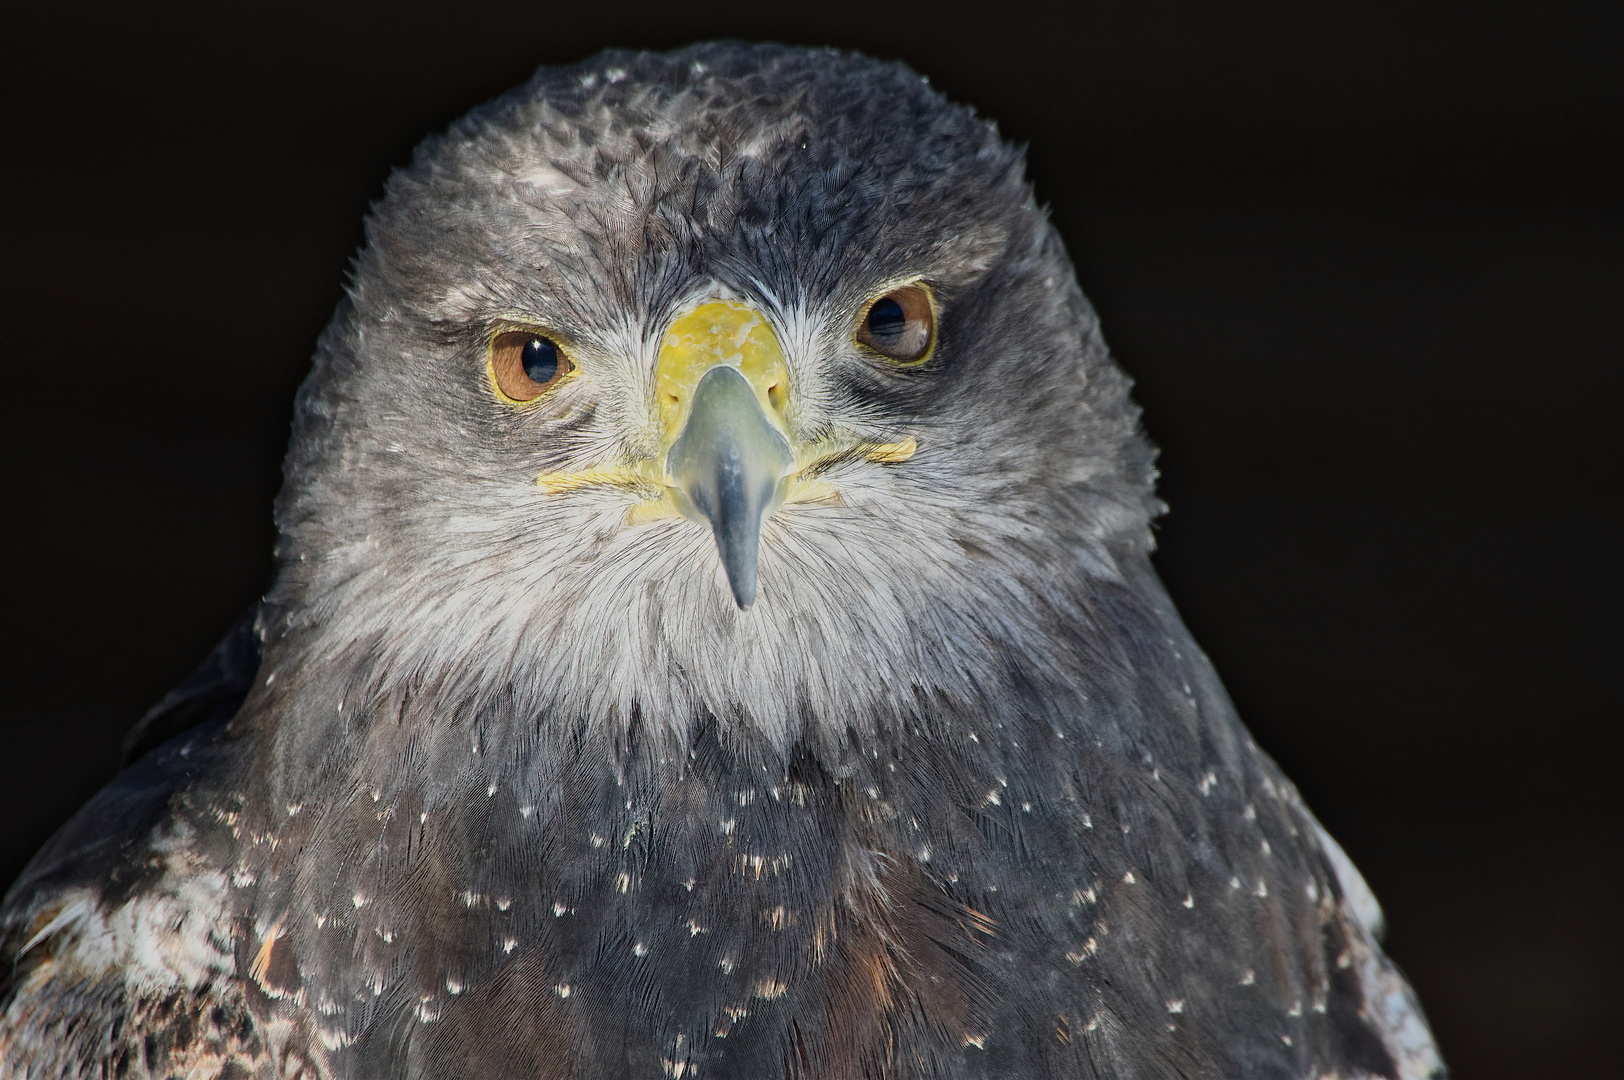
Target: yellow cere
[{"x": 720, "y": 333}]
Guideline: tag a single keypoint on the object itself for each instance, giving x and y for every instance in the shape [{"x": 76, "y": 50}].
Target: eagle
[{"x": 713, "y": 636}]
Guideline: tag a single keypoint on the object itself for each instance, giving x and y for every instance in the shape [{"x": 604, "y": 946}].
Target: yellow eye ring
[
  {"x": 524, "y": 364},
  {"x": 900, "y": 324}
]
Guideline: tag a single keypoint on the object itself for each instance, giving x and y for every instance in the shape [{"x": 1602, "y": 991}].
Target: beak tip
[{"x": 744, "y": 591}]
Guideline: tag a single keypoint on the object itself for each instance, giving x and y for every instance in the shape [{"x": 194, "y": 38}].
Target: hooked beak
[{"x": 723, "y": 388}]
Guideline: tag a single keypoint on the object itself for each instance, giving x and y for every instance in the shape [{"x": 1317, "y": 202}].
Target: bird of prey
[{"x": 714, "y": 635}]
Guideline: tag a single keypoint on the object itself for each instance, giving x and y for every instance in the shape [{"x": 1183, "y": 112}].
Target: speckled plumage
[{"x": 501, "y": 782}]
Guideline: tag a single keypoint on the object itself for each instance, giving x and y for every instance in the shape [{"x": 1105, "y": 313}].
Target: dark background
[{"x": 1364, "y": 262}]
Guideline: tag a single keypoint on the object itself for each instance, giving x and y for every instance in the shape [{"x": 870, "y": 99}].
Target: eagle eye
[
  {"x": 526, "y": 364},
  {"x": 900, "y": 325}
]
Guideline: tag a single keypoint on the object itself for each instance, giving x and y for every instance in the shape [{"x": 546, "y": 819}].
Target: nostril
[{"x": 778, "y": 396}]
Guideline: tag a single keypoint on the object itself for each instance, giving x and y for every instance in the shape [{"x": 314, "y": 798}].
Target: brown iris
[
  {"x": 901, "y": 325},
  {"x": 526, "y": 364}
]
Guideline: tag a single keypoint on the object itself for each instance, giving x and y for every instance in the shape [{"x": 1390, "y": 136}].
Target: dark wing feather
[
  {"x": 116, "y": 942},
  {"x": 211, "y": 694}
]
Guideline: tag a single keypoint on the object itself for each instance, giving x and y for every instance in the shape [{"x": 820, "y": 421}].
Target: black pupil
[
  {"x": 886, "y": 320},
  {"x": 540, "y": 360}
]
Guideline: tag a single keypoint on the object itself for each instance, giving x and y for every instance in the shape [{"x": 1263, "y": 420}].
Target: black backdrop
[{"x": 1364, "y": 263}]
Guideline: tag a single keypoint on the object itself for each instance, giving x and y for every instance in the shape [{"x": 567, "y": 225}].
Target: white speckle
[
  {"x": 492, "y": 789},
  {"x": 623, "y": 882},
  {"x": 615, "y": 74},
  {"x": 1262, "y": 888},
  {"x": 924, "y": 854},
  {"x": 1312, "y": 889},
  {"x": 1093, "y": 1022},
  {"x": 977, "y": 1041},
  {"x": 689, "y": 884},
  {"x": 1265, "y": 848},
  {"x": 1189, "y": 900},
  {"x": 1208, "y": 782},
  {"x": 1250, "y": 813},
  {"x": 1026, "y": 808},
  {"x": 1286, "y": 1039},
  {"x": 421, "y": 818},
  {"x": 1343, "y": 960},
  {"x": 1082, "y": 896},
  {"x": 973, "y": 737},
  {"x": 694, "y": 929},
  {"x": 387, "y": 935},
  {"x": 1156, "y": 773},
  {"x": 503, "y": 903},
  {"x": 562, "y": 990},
  {"x": 1248, "y": 977},
  {"x": 992, "y": 798},
  {"x": 597, "y": 841},
  {"x": 1296, "y": 1008},
  {"x": 1234, "y": 883},
  {"x": 470, "y": 898},
  {"x": 376, "y": 794},
  {"x": 559, "y": 910},
  {"x": 453, "y": 986},
  {"x": 1128, "y": 878},
  {"x": 726, "y": 965},
  {"x": 1176, "y": 1005},
  {"x": 269, "y": 679},
  {"x": 1088, "y": 822},
  {"x": 294, "y": 808},
  {"x": 727, "y": 826},
  {"x": 639, "y": 949},
  {"x": 359, "y": 900},
  {"x": 1090, "y": 947}
]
